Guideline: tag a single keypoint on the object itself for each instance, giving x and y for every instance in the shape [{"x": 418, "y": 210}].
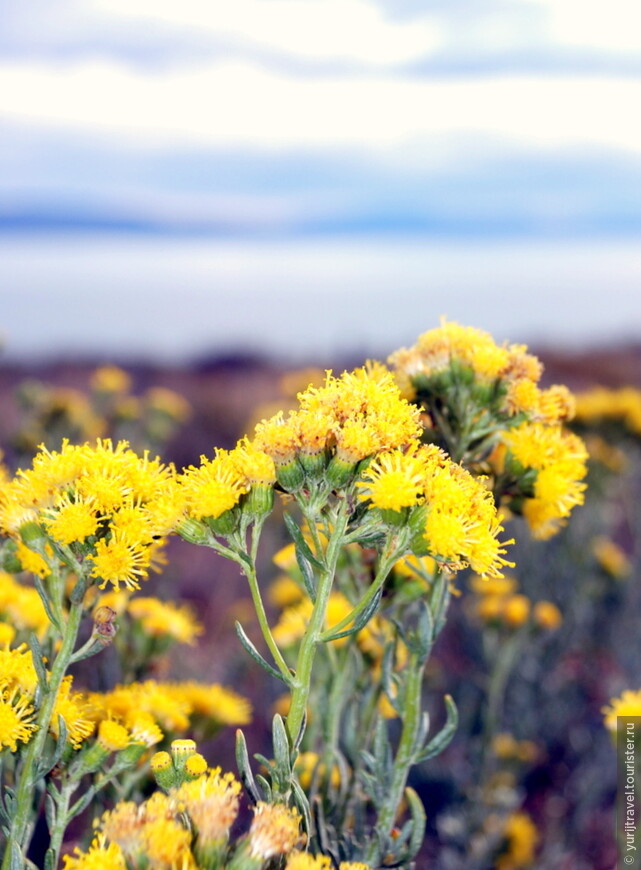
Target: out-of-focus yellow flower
[
  {"x": 611, "y": 557},
  {"x": 627, "y": 704},
  {"x": 308, "y": 765},
  {"x": 516, "y": 610},
  {"x": 101, "y": 856},
  {"x": 214, "y": 702},
  {"x": 522, "y": 838},
  {"x": 547, "y": 615},
  {"x": 294, "y": 620},
  {"x": 507, "y": 747},
  {"x": 165, "y": 619},
  {"x": 110, "y": 379},
  {"x": 284, "y": 591},
  {"x": 600, "y": 404},
  {"x": 168, "y": 402}
]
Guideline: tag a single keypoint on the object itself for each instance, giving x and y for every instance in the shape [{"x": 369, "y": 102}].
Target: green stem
[
  {"x": 62, "y": 811},
  {"x": 312, "y": 637},
  {"x": 250, "y": 573},
  {"x": 391, "y": 555},
  {"x": 405, "y": 753},
  {"x": 35, "y": 749},
  {"x": 504, "y": 660}
]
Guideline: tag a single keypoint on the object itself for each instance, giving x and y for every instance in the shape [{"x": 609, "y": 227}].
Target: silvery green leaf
[
  {"x": 253, "y": 652},
  {"x": 301, "y": 543},
  {"x": 244, "y": 767},
  {"x": 438, "y": 743}
]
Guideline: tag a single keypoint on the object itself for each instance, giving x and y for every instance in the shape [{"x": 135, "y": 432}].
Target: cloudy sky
[
  {"x": 465, "y": 123},
  {"x": 299, "y": 116}
]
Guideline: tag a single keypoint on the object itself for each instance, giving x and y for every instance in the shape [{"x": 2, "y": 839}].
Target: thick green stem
[
  {"x": 312, "y": 637},
  {"x": 35, "y": 749}
]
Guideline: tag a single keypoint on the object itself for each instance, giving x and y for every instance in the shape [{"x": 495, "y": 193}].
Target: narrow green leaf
[
  {"x": 38, "y": 663},
  {"x": 301, "y": 543},
  {"x": 253, "y": 652},
  {"x": 307, "y": 573},
  {"x": 50, "y": 811},
  {"x": 438, "y": 743},
  {"x": 282, "y": 749},
  {"x": 266, "y": 787},
  {"x": 81, "y": 804},
  {"x": 417, "y": 811},
  {"x": 300, "y": 800},
  {"x": 299, "y": 736},
  {"x": 46, "y": 603},
  {"x": 78, "y": 591},
  {"x": 244, "y": 767},
  {"x": 49, "y": 859},
  {"x": 361, "y": 620}
]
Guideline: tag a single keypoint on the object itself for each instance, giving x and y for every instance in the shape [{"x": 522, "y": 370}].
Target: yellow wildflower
[
  {"x": 214, "y": 702},
  {"x": 212, "y": 803},
  {"x": 99, "y": 857},
  {"x": 112, "y": 736},
  {"x": 275, "y": 830},
  {"x": 118, "y": 561},
  {"x": 164, "y": 619},
  {"x": 75, "y": 709},
  {"x": 214, "y": 487},
  {"x": 16, "y": 718},
  {"x": 32, "y": 562},
  {"x": 305, "y": 861},
  {"x": 394, "y": 480}
]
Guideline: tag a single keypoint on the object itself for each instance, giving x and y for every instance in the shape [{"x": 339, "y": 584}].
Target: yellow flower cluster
[
  {"x": 601, "y": 405},
  {"x": 497, "y": 601},
  {"x": 189, "y": 827},
  {"x": 115, "y": 504},
  {"x": 159, "y": 619},
  {"x": 172, "y": 707},
  {"x": 346, "y": 420},
  {"x": 470, "y": 355},
  {"x": 216, "y": 486},
  {"x": 21, "y": 606},
  {"x": 460, "y": 523},
  {"x": 18, "y": 684},
  {"x": 557, "y": 461}
]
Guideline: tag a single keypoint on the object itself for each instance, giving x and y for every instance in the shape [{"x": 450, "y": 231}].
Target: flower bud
[
  {"x": 259, "y": 501},
  {"x": 290, "y": 475}
]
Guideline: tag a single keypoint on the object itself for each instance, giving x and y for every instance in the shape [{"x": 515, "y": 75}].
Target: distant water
[{"x": 175, "y": 300}]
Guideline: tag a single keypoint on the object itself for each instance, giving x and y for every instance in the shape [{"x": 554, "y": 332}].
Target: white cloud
[
  {"x": 236, "y": 104},
  {"x": 353, "y": 30},
  {"x": 615, "y": 26}
]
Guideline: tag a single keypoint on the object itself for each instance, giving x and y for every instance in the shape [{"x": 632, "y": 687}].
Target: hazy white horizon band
[{"x": 175, "y": 300}]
